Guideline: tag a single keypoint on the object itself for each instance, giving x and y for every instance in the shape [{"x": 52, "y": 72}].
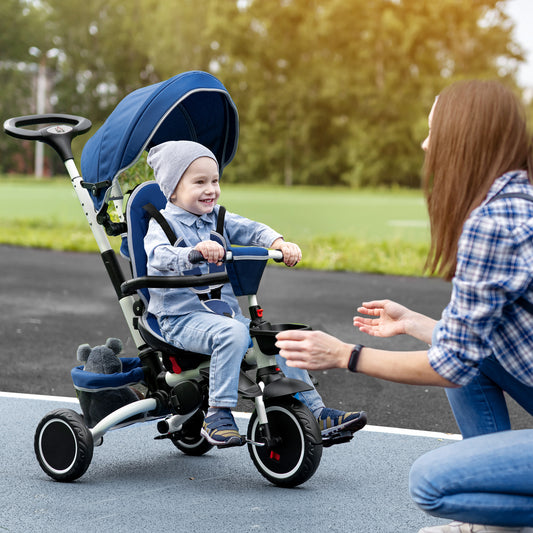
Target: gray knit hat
[{"x": 171, "y": 159}]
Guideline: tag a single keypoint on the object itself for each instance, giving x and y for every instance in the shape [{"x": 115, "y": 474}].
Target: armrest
[{"x": 130, "y": 286}]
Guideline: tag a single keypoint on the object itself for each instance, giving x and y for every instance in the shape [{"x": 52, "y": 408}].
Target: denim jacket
[{"x": 167, "y": 260}]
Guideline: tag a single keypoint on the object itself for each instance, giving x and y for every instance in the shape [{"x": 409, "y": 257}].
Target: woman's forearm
[
  {"x": 316, "y": 350},
  {"x": 420, "y": 327},
  {"x": 411, "y": 368}
]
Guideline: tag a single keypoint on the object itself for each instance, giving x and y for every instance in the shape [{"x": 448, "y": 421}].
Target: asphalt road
[
  {"x": 136, "y": 484},
  {"x": 53, "y": 301}
]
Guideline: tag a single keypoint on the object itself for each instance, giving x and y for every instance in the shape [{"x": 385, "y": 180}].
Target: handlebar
[
  {"x": 131, "y": 286},
  {"x": 196, "y": 257},
  {"x": 59, "y": 135}
]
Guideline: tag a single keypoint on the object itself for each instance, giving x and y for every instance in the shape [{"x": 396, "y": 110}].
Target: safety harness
[{"x": 210, "y": 296}]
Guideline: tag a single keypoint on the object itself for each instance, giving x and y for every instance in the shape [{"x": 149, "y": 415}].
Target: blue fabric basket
[
  {"x": 131, "y": 374},
  {"x": 101, "y": 394}
]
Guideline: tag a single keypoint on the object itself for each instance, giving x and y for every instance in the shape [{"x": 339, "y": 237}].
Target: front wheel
[
  {"x": 63, "y": 445},
  {"x": 297, "y": 451}
]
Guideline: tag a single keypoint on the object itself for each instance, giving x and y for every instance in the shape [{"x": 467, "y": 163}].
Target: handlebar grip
[
  {"x": 195, "y": 257},
  {"x": 276, "y": 255}
]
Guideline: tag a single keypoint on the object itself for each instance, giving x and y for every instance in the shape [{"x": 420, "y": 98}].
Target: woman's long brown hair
[{"x": 478, "y": 132}]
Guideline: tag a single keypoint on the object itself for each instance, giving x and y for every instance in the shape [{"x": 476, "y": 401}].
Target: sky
[{"x": 521, "y": 12}]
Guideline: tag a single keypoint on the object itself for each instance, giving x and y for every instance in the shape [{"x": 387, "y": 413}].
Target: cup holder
[{"x": 266, "y": 335}]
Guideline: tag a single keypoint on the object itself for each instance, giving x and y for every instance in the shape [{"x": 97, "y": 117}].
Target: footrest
[{"x": 337, "y": 438}]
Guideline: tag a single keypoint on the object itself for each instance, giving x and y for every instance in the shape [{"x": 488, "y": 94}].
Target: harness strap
[
  {"x": 163, "y": 222},
  {"x": 216, "y": 293},
  {"x": 222, "y": 216},
  {"x": 522, "y": 302}
]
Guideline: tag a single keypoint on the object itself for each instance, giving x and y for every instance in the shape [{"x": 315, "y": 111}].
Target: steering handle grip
[
  {"x": 195, "y": 257},
  {"x": 59, "y": 131}
]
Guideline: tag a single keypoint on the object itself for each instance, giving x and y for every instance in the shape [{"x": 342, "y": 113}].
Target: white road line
[{"x": 374, "y": 429}]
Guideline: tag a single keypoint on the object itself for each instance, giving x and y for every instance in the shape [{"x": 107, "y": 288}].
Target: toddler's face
[{"x": 199, "y": 189}]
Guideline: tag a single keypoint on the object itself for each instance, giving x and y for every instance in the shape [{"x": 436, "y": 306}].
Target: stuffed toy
[{"x": 103, "y": 360}]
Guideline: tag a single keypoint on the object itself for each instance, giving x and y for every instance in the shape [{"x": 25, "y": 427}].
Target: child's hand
[
  {"x": 212, "y": 251},
  {"x": 292, "y": 254}
]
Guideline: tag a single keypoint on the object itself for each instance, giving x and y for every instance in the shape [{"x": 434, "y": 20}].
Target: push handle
[{"x": 58, "y": 133}]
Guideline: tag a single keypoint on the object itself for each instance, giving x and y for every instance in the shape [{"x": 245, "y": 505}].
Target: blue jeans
[
  {"x": 482, "y": 480},
  {"x": 227, "y": 340},
  {"x": 480, "y": 406}
]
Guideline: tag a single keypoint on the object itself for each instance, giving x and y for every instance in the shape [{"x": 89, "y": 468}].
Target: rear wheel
[
  {"x": 63, "y": 445},
  {"x": 188, "y": 439},
  {"x": 297, "y": 451}
]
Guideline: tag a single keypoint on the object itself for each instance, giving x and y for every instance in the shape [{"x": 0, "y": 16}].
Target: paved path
[
  {"x": 51, "y": 302},
  {"x": 137, "y": 485}
]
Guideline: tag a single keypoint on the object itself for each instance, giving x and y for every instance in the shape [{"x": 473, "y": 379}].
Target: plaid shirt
[{"x": 494, "y": 268}]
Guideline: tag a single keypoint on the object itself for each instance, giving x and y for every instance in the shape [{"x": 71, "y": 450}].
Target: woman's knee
[{"x": 422, "y": 486}]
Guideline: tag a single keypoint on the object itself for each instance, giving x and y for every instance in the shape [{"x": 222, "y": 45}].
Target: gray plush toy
[{"x": 103, "y": 360}]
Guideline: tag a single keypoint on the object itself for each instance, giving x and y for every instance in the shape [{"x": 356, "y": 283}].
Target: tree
[
  {"x": 338, "y": 92},
  {"x": 20, "y": 25},
  {"x": 329, "y": 92}
]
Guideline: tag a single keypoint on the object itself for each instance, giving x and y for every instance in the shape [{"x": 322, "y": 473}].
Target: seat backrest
[{"x": 138, "y": 220}]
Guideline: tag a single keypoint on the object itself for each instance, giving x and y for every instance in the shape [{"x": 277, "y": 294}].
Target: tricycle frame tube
[{"x": 107, "y": 254}]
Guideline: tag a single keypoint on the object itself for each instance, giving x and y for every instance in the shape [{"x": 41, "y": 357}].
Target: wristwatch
[{"x": 354, "y": 357}]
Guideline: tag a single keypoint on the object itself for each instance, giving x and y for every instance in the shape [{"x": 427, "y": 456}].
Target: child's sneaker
[
  {"x": 333, "y": 421},
  {"x": 220, "y": 429},
  {"x": 462, "y": 527}
]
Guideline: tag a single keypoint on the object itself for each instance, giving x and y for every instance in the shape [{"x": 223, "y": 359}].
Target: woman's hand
[
  {"x": 393, "y": 319},
  {"x": 314, "y": 350},
  {"x": 292, "y": 254},
  {"x": 390, "y": 318}
]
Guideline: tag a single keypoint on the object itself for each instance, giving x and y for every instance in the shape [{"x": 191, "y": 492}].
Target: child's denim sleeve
[
  {"x": 162, "y": 257},
  {"x": 245, "y": 232}
]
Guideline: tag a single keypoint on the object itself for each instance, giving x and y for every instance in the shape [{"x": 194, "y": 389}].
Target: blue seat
[{"x": 138, "y": 219}]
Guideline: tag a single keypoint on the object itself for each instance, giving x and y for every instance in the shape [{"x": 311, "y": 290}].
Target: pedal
[
  {"x": 231, "y": 445},
  {"x": 337, "y": 438},
  {"x": 255, "y": 442}
]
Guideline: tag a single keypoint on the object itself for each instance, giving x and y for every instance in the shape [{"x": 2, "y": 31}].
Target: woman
[{"x": 478, "y": 148}]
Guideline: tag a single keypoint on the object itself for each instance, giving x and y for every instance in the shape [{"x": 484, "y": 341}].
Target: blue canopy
[{"x": 191, "y": 106}]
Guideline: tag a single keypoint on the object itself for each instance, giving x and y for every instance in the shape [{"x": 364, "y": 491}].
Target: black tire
[
  {"x": 63, "y": 445},
  {"x": 296, "y": 457},
  {"x": 188, "y": 439}
]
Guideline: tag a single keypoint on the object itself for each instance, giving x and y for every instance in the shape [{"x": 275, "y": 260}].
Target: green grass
[
  {"x": 382, "y": 231},
  {"x": 307, "y": 213}
]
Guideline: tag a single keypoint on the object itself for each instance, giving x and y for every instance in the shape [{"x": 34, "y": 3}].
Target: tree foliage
[
  {"x": 329, "y": 92},
  {"x": 20, "y": 23}
]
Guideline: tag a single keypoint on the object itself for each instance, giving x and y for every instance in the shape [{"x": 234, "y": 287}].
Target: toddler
[{"x": 188, "y": 175}]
